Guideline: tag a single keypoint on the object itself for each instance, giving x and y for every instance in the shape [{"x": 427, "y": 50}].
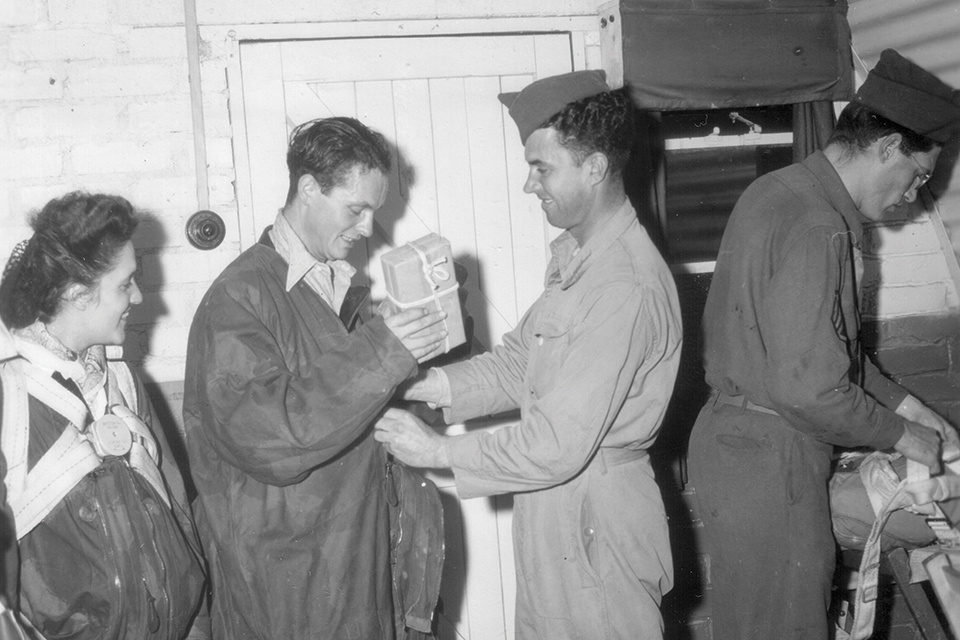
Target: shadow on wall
[
  {"x": 685, "y": 611},
  {"x": 136, "y": 346},
  {"x": 685, "y": 608}
]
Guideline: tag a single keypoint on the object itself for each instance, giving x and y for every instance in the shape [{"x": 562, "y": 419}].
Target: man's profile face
[
  {"x": 337, "y": 220},
  {"x": 897, "y": 182},
  {"x": 558, "y": 180}
]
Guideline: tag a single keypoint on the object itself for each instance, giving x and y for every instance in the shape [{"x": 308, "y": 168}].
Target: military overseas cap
[
  {"x": 914, "y": 98},
  {"x": 543, "y": 98}
]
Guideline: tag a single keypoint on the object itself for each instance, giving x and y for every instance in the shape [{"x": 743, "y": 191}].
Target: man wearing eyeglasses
[{"x": 783, "y": 356}]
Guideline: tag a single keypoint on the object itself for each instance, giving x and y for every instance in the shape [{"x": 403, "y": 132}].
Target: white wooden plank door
[{"x": 458, "y": 171}]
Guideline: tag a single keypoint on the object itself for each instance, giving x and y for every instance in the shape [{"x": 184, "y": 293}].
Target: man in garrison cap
[
  {"x": 783, "y": 356},
  {"x": 591, "y": 367}
]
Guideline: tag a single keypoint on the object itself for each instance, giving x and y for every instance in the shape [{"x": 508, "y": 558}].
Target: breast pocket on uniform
[{"x": 547, "y": 354}]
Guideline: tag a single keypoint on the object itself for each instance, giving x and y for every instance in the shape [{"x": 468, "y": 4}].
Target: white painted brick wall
[
  {"x": 146, "y": 13},
  {"x": 95, "y": 96},
  {"x": 220, "y": 152},
  {"x": 916, "y": 299},
  {"x": 19, "y": 13},
  {"x": 901, "y": 238},
  {"x": 909, "y": 284},
  {"x": 113, "y": 12},
  {"x": 912, "y": 269},
  {"x": 127, "y": 156},
  {"x": 34, "y": 161},
  {"x": 950, "y": 204},
  {"x": 186, "y": 266},
  {"x": 62, "y": 44},
  {"x": 167, "y": 197},
  {"x": 157, "y": 42},
  {"x": 7, "y": 220},
  {"x": 223, "y": 199},
  {"x": 907, "y": 271},
  {"x": 30, "y": 83},
  {"x": 150, "y": 116},
  {"x": 130, "y": 80},
  {"x": 257, "y": 11},
  {"x": 83, "y": 121},
  {"x": 80, "y": 12},
  {"x": 165, "y": 345}
]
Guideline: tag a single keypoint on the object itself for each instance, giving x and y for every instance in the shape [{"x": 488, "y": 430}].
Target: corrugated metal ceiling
[{"x": 926, "y": 31}]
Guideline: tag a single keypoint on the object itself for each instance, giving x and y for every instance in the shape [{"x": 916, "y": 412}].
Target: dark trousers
[{"x": 761, "y": 487}]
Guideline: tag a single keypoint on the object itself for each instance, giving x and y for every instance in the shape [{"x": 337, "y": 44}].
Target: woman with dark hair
[{"x": 106, "y": 544}]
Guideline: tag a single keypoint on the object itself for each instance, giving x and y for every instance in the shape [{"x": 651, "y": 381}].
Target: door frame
[{"x": 595, "y": 44}]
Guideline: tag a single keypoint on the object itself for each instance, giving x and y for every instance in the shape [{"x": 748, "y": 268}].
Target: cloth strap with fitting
[
  {"x": 919, "y": 493},
  {"x": 435, "y": 275},
  {"x": 33, "y": 494}
]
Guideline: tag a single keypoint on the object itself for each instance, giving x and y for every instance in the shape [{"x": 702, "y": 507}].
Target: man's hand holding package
[
  {"x": 921, "y": 444},
  {"x": 928, "y": 437},
  {"x": 422, "y": 333},
  {"x": 410, "y": 440},
  {"x": 914, "y": 410}
]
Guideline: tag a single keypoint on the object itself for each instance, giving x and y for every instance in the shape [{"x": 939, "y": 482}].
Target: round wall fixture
[{"x": 205, "y": 230}]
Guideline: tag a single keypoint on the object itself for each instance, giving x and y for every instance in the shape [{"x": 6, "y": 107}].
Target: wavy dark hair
[
  {"x": 76, "y": 239},
  {"x": 329, "y": 148},
  {"x": 859, "y": 126},
  {"x": 604, "y": 122}
]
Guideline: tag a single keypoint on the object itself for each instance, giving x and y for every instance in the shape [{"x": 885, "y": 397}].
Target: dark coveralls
[
  {"x": 782, "y": 353},
  {"x": 279, "y": 401}
]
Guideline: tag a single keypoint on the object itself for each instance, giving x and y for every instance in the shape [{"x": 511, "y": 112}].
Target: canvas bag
[{"x": 918, "y": 491}]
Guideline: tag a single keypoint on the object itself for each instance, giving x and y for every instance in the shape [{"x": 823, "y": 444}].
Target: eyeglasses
[{"x": 923, "y": 178}]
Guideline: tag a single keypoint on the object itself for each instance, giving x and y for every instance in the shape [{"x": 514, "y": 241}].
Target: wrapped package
[{"x": 421, "y": 274}]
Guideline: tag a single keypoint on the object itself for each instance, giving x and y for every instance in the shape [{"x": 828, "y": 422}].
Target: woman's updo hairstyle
[{"x": 76, "y": 240}]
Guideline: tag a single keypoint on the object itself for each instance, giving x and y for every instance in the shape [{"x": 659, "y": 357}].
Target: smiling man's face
[
  {"x": 335, "y": 221},
  {"x": 559, "y": 180}
]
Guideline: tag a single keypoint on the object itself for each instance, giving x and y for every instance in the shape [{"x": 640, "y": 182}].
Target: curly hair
[
  {"x": 329, "y": 148},
  {"x": 859, "y": 126},
  {"x": 76, "y": 239},
  {"x": 604, "y": 122}
]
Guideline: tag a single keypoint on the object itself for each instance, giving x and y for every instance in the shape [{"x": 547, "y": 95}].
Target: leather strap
[
  {"x": 917, "y": 490},
  {"x": 742, "y": 403},
  {"x": 32, "y": 495}
]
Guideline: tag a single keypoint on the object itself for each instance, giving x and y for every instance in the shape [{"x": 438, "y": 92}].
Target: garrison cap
[
  {"x": 541, "y": 99},
  {"x": 914, "y": 98}
]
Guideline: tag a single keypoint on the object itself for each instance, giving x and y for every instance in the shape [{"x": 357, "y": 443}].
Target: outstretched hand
[
  {"x": 422, "y": 332},
  {"x": 410, "y": 440}
]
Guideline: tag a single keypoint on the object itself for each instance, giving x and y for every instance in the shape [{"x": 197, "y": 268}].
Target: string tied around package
[{"x": 435, "y": 275}]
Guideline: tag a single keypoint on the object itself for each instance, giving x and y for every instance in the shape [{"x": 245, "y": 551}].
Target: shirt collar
[
  {"x": 43, "y": 349},
  {"x": 570, "y": 260},
  {"x": 330, "y": 279},
  {"x": 836, "y": 192}
]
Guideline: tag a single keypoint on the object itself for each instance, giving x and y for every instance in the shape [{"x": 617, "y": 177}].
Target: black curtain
[
  {"x": 714, "y": 54},
  {"x": 710, "y": 54},
  {"x": 812, "y": 124}
]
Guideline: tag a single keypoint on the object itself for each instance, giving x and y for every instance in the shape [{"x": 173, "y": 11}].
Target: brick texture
[{"x": 62, "y": 44}]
